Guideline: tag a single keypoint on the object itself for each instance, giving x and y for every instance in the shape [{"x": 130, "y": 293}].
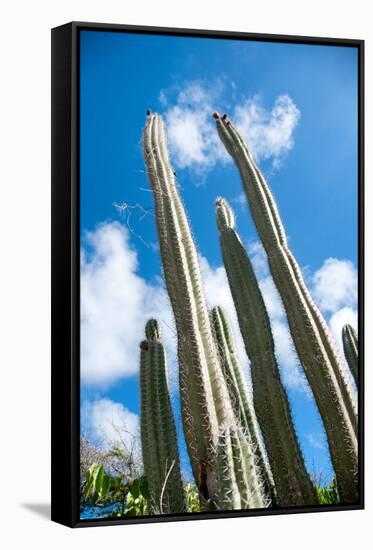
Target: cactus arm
[
  {"x": 322, "y": 371},
  {"x": 158, "y": 432},
  {"x": 350, "y": 348},
  {"x": 293, "y": 485},
  {"x": 239, "y": 394}
]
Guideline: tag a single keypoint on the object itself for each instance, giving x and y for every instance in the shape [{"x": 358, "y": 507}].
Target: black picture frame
[{"x": 66, "y": 268}]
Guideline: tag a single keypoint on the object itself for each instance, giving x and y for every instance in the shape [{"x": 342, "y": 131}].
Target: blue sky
[{"x": 297, "y": 107}]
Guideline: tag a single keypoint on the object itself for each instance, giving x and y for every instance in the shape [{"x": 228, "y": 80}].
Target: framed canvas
[{"x": 207, "y": 274}]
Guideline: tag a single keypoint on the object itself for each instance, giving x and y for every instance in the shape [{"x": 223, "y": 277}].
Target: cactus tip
[
  {"x": 148, "y": 112},
  {"x": 152, "y": 330},
  {"x": 225, "y": 116},
  {"x": 144, "y": 345},
  {"x": 216, "y": 115}
]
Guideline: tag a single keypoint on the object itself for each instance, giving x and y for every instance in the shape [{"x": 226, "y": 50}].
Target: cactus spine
[
  {"x": 350, "y": 348},
  {"x": 238, "y": 392},
  {"x": 206, "y": 409},
  {"x": 293, "y": 485},
  {"x": 237, "y": 477},
  {"x": 158, "y": 432},
  {"x": 312, "y": 340}
]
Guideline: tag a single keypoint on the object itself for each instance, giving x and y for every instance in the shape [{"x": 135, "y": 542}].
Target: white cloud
[
  {"x": 336, "y": 322},
  {"x": 108, "y": 423},
  {"x": 343, "y": 316},
  {"x": 268, "y": 133},
  {"x": 335, "y": 285},
  {"x": 335, "y": 292},
  {"x": 194, "y": 142},
  {"x": 115, "y": 305}
]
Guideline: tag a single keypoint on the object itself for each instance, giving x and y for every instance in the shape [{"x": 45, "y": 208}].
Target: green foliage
[
  {"x": 328, "y": 495},
  {"x": 191, "y": 498},
  {"x": 138, "y": 498},
  {"x": 132, "y": 498},
  {"x": 98, "y": 484}
]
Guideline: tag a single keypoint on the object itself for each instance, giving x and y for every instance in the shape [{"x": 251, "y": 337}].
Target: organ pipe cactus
[
  {"x": 239, "y": 485},
  {"x": 313, "y": 343},
  {"x": 158, "y": 433},
  {"x": 238, "y": 392},
  {"x": 205, "y": 404},
  {"x": 293, "y": 485},
  {"x": 350, "y": 348}
]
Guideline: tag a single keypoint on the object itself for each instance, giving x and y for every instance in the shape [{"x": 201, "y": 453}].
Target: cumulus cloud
[
  {"x": 335, "y": 291},
  {"x": 108, "y": 422},
  {"x": 335, "y": 285},
  {"x": 344, "y": 316},
  {"x": 268, "y": 133},
  {"x": 115, "y": 305},
  {"x": 116, "y": 302},
  {"x": 193, "y": 139}
]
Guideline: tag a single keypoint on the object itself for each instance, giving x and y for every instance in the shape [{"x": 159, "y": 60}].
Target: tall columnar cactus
[
  {"x": 293, "y": 485},
  {"x": 334, "y": 397},
  {"x": 206, "y": 409},
  {"x": 239, "y": 485},
  {"x": 158, "y": 433},
  {"x": 350, "y": 348},
  {"x": 239, "y": 394}
]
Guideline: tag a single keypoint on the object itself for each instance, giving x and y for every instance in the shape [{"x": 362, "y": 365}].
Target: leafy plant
[
  {"x": 138, "y": 498},
  {"x": 328, "y": 495},
  {"x": 191, "y": 498}
]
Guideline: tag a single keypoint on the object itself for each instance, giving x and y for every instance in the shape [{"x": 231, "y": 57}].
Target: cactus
[
  {"x": 158, "y": 432},
  {"x": 350, "y": 348},
  {"x": 311, "y": 337},
  {"x": 293, "y": 485},
  {"x": 239, "y": 484},
  {"x": 205, "y": 404},
  {"x": 239, "y": 395}
]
